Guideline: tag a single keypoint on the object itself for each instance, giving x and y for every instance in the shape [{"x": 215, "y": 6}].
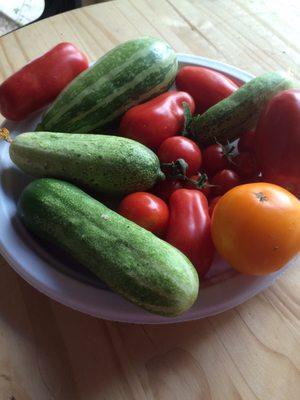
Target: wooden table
[{"x": 48, "y": 351}]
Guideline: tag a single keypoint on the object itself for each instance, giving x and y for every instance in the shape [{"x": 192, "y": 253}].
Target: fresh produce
[
  {"x": 107, "y": 164},
  {"x": 146, "y": 210},
  {"x": 129, "y": 74},
  {"x": 223, "y": 181},
  {"x": 165, "y": 188},
  {"x": 239, "y": 112},
  {"x": 156, "y": 120},
  {"x": 255, "y": 228},
  {"x": 245, "y": 165},
  {"x": 199, "y": 182},
  {"x": 129, "y": 259},
  {"x": 277, "y": 145},
  {"x": 206, "y": 86},
  {"x": 189, "y": 228},
  {"x": 216, "y": 157},
  {"x": 177, "y": 147},
  {"x": 246, "y": 141},
  {"x": 213, "y": 204},
  {"x": 39, "y": 82}
]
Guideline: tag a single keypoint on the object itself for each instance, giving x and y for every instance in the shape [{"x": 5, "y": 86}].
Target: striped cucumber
[
  {"x": 132, "y": 261},
  {"x": 129, "y": 74},
  {"x": 226, "y": 120},
  {"x": 108, "y": 164}
]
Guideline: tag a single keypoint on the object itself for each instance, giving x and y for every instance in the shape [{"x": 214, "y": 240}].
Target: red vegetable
[
  {"x": 189, "y": 228},
  {"x": 146, "y": 210},
  {"x": 164, "y": 189},
  {"x": 245, "y": 165},
  {"x": 246, "y": 141},
  {"x": 223, "y": 181},
  {"x": 177, "y": 147},
  {"x": 277, "y": 145},
  {"x": 206, "y": 86},
  {"x": 39, "y": 82},
  {"x": 213, "y": 204},
  {"x": 156, "y": 120},
  {"x": 199, "y": 182},
  {"x": 215, "y": 158}
]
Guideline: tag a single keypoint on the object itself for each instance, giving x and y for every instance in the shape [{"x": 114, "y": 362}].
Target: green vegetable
[
  {"x": 129, "y": 74},
  {"x": 132, "y": 261},
  {"x": 226, "y": 120},
  {"x": 108, "y": 164}
]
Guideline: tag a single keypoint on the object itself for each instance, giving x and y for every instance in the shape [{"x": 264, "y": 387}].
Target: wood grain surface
[{"x": 49, "y": 352}]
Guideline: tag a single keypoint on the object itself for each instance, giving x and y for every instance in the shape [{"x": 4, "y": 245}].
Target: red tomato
[
  {"x": 223, "y": 181},
  {"x": 146, "y": 210},
  {"x": 212, "y": 204},
  {"x": 177, "y": 147},
  {"x": 206, "y": 86},
  {"x": 154, "y": 121},
  {"x": 277, "y": 144},
  {"x": 246, "y": 141},
  {"x": 189, "y": 228},
  {"x": 215, "y": 158},
  {"x": 197, "y": 182},
  {"x": 39, "y": 82},
  {"x": 164, "y": 189},
  {"x": 245, "y": 165}
]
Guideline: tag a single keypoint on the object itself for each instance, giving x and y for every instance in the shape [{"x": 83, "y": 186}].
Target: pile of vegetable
[{"x": 211, "y": 166}]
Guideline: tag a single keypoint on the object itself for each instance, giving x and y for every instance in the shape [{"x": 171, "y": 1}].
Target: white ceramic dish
[{"x": 68, "y": 283}]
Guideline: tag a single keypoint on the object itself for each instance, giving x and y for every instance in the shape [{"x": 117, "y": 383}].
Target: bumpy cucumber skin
[
  {"x": 129, "y": 74},
  {"x": 226, "y": 120},
  {"x": 107, "y": 164},
  {"x": 132, "y": 261}
]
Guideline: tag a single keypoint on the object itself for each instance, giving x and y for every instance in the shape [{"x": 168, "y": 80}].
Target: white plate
[{"x": 65, "y": 281}]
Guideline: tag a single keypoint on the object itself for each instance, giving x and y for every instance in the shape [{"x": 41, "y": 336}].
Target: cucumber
[
  {"x": 107, "y": 164},
  {"x": 130, "y": 260},
  {"x": 129, "y": 74},
  {"x": 226, "y": 120}
]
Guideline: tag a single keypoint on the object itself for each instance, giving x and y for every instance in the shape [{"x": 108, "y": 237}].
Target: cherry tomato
[
  {"x": 189, "y": 228},
  {"x": 213, "y": 204},
  {"x": 155, "y": 120},
  {"x": 255, "y": 228},
  {"x": 146, "y": 210},
  {"x": 177, "y": 147},
  {"x": 245, "y": 165},
  {"x": 215, "y": 158},
  {"x": 246, "y": 141},
  {"x": 206, "y": 86},
  {"x": 164, "y": 189},
  {"x": 199, "y": 184},
  {"x": 223, "y": 181},
  {"x": 277, "y": 145}
]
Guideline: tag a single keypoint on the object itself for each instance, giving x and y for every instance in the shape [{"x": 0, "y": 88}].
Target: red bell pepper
[
  {"x": 189, "y": 228},
  {"x": 277, "y": 143},
  {"x": 39, "y": 82},
  {"x": 154, "y": 121}
]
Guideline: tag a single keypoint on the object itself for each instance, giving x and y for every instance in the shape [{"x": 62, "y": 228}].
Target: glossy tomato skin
[
  {"x": 146, "y": 210},
  {"x": 177, "y": 147},
  {"x": 255, "y": 228},
  {"x": 213, "y": 204},
  {"x": 246, "y": 141},
  {"x": 39, "y": 82},
  {"x": 206, "y": 86},
  {"x": 223, "y": 181},
  {"x": 205, "y": 189},
  {"x": 152, "y": 122},
  {"x": 189, "y": 228},
  {"x": 164, "y": 189},
  {"x": 214, "y": 159},
  {"x": 277, "y": 145}
]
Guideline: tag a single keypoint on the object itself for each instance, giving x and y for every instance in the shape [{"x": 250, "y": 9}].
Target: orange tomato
[{"x": 256, "y": 228}]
